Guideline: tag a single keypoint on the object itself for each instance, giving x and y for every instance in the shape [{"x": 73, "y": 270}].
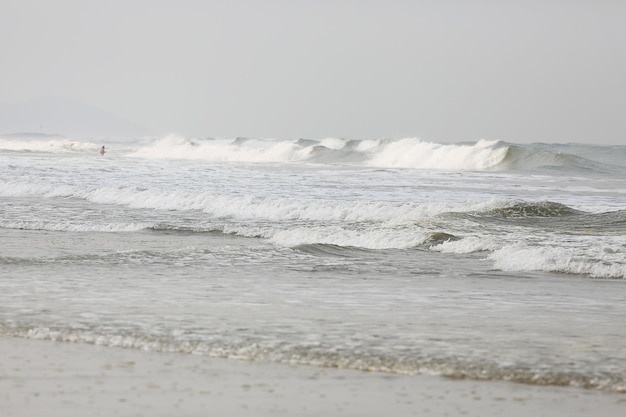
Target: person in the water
[{"x": 102, "y": 151}]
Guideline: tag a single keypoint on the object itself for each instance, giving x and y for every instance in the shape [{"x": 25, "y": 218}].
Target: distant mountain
[{"x": 66, "y": 117}]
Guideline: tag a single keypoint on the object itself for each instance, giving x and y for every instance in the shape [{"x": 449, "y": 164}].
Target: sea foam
[
  {"x": 521, "y": 257},
  {"x": 413, "y": 153},
  {"x": 483, "y": 155},
  {"x": 383, "y": 153},
  {"x": 56, "y": 145}
]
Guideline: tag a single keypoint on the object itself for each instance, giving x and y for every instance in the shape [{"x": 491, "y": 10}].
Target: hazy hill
[{"x": 65, "y": 117}]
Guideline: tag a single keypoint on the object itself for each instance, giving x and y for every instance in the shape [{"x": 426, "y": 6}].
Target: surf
[{"x": 405, "y": 153}]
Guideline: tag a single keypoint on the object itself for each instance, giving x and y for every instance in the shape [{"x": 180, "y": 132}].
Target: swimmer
[{"x": 102, "y": 151}]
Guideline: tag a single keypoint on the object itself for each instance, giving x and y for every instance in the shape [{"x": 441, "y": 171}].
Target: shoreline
[{"x": 42, "y": 377}]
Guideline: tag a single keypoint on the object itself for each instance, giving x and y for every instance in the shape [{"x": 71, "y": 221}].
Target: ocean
[{"x": 482, "y": 260}]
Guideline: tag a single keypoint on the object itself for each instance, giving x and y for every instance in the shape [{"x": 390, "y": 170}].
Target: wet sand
[{"x": 47, "y": 378}]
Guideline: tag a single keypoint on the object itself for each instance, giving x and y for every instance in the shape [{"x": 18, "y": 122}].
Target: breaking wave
[
  {"x": 483, "y": 155},
  {"x": 595, "y": 263},
  {"x": 448, "y": 228},
  {"x": 47, "y": 144},
  {"x": 413, "y": 153},
  {"x": 534, "y": 209}
]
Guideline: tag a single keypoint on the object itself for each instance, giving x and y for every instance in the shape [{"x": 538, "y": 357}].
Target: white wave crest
[
  {"x": 468, "y": 244},
  {"x": 242, "y": 207},
  {"x": 223, "y": 150},
  {"x": 50, "y": 145},
  {"x": 520, "y": 257},
  {"x": 366, "y": 239},
  {"x": 413, "y": 153},
  {"x": 67, "y": 226},
  {"x": 381, "y": 153}
]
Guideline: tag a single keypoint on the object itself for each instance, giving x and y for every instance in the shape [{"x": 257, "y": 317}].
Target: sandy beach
[{"x": 43, "y": 378}]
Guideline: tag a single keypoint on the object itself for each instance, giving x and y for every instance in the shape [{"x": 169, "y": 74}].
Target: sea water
[{"x": 485, "y": 260}]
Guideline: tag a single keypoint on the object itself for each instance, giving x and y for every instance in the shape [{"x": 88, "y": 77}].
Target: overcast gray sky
[{"x": 521, "y": 71}]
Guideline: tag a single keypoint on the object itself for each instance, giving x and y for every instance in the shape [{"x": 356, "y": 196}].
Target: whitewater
[{"x": 487, "y": 260}]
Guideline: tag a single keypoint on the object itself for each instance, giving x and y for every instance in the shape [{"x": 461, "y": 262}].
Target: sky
[{"x": 446, "y": 71}]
